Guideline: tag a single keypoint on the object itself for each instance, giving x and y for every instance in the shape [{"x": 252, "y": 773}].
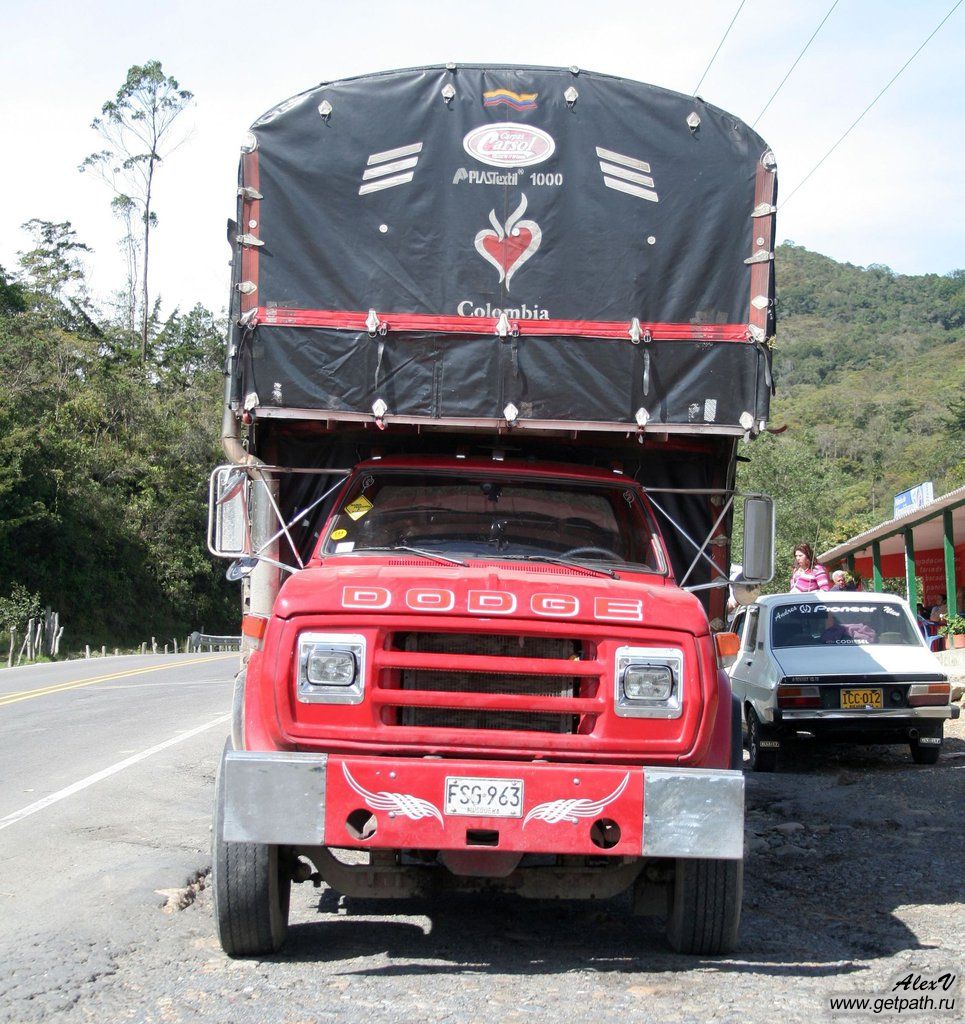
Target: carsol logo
[{"x": 509, "y": 145}]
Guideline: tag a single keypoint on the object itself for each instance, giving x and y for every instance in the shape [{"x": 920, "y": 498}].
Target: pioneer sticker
[{"x": 509, "y": 145}]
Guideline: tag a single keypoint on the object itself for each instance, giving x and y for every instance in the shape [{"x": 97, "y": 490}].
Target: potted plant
[{"x": 954, "y": 630}]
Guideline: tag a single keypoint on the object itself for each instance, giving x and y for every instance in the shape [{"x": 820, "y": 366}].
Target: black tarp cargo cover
[{"x": 491, "y": 245}]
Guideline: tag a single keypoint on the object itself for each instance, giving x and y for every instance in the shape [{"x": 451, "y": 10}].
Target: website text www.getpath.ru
[{"x": 912, "y": 993}]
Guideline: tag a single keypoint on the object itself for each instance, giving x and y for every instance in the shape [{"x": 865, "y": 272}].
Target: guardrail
[{"x": 208, "y": 642}]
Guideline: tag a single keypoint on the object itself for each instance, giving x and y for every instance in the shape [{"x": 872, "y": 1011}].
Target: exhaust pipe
[{"x": 231, "y": 434}]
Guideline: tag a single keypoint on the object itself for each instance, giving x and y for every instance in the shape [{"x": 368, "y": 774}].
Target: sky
[{"x": 890, "y": 194}]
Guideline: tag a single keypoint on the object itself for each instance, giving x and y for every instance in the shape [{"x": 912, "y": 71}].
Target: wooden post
[
  {"x": 165, "y": 648},
  {"x": 13, "y": 642},
  {"x": 86, "y": 650},
  {"x": 116, "y": 652},
  {"x": 143, "y": 648},
  {"x": 153, "y": 646},
  {"x": 104, "y": 650},
  {"x": 30, "y": 640},
  {"x": 57, "y": 638},
  {"x": 175, "y": 645}
]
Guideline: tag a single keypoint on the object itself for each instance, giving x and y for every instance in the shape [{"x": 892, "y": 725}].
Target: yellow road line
[{"x": 15, "y": 698}]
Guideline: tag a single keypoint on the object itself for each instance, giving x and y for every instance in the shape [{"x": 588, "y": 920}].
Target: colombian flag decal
[{"x": 516, "y": 100}]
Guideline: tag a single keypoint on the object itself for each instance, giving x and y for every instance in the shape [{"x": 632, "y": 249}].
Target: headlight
[
  {"x": 648, "y": 682},
  {"x": 331, "y": 668}
]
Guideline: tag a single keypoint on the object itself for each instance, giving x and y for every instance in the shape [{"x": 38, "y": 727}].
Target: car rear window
[{"x": 814, "y": 624}]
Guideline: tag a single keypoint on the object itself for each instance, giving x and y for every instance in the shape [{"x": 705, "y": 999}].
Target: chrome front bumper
[{"x": 281, "y": 798}]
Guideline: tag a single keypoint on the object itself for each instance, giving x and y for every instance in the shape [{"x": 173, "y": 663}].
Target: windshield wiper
[
  {"x": 567, "y": 562},
  {"x": 445, "y": 559}
]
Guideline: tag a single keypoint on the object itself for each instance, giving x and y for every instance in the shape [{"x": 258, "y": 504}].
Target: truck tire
[
  {"x": 924, "y": 755},
  {"x": 760, "y": 759},
  {"x": 252, "y": 889},
  {"x": 705, "y": 906}
]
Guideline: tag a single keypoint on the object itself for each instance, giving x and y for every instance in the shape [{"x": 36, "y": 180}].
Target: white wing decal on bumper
[
  {"x": 412, "y": 807},
  {"x": 572, "y": 810}
]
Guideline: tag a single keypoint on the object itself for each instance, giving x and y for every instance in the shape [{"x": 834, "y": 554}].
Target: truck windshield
[
  {"x": 489, "y": 516},
  {"x": 814, "y": 624}
]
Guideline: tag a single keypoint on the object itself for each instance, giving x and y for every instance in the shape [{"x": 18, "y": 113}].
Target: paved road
[
  {"x": 853, "y": 874},
  {"x": 125, "y": 750}
]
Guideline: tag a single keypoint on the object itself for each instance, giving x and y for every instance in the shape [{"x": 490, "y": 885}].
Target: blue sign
[{"x": 913, "y": 499}]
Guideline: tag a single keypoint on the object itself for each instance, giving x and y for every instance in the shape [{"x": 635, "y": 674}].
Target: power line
[
  {"x": 796, "y": 62},
  {"x": 719, "y": 45},
  {"x": 860, "y": 117}
]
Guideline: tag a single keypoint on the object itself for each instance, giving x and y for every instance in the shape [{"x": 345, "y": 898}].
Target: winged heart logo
[{"x": 508, "y": 246}]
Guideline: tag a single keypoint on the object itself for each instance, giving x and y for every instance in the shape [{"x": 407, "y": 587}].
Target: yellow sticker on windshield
[
  {"x": 358, "y": 508},
  {"x": 339, "y": 534}
]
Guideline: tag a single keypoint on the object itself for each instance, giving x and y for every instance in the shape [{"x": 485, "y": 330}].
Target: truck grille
[{"x": 486, "y": 682}]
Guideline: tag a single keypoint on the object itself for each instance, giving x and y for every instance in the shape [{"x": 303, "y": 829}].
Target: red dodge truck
[{"x": 496, "y": 333}]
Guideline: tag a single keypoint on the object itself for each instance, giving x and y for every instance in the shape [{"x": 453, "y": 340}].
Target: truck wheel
[
  {"x": 705, "y": 906},
  {"x": 762, "y": 759},
  {"x": 924, "y": 755},
  {"x": 252, "y": 889}
]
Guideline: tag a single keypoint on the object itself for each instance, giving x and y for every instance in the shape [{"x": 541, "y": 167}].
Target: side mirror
[
  {"x": 240, "y": 568},
  {"x": 745, "y": 593},
  {"x": 758, "y": 555},
  {"x": 229, "y": 534}
]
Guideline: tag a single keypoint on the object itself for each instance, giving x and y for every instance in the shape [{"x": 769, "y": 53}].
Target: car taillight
[
  {"x": 923, "y": 694},
  {"x": 798, "y": 696}
]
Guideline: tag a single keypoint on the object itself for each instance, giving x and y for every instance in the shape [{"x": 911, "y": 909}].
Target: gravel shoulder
[{"x": 854, "y": 871}]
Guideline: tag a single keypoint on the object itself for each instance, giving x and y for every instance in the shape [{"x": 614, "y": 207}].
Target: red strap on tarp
[{"x": 282, "y": 316}]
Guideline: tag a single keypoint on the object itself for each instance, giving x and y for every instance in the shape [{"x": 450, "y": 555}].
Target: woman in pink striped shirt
[{"x": 808, "y": 575}]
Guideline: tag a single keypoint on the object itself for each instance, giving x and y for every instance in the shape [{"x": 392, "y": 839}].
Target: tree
[
  {"x": 12, "y": 299},
  {"x": 807, "y": 493},
  {"x": 53, "y": 265},
  {"x": 138, "y": 129}
]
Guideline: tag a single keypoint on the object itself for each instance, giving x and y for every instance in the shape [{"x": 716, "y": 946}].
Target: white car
[{"x": 845, "y": 665}]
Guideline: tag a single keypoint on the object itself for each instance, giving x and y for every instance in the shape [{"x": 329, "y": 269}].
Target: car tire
[
  {"x": 924, "y": 755},
  {"x": 252, "y": 888},
  {"x": 760, "y": 759},
  {"x": 705, "y": 906}
]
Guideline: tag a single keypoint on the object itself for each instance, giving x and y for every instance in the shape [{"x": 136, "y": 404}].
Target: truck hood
[
  {"x": 536, "y": 592},
  {"x": 864, "y": 660}
]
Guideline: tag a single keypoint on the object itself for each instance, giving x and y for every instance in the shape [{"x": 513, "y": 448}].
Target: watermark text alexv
[{"x": 911, "y": 993}]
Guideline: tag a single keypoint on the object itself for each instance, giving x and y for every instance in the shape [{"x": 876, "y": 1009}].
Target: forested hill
[
  {"x": 870, "y": 368},
  {"x": 104, "y": 453}
]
